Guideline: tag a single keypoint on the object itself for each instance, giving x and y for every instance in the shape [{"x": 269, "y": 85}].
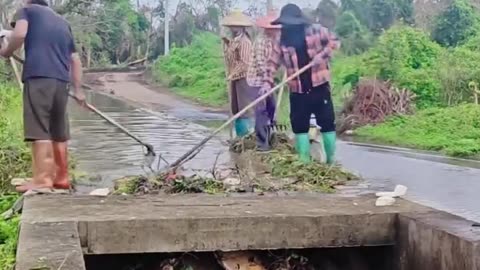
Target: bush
[
  {"x": 406, "y": 56},
  {"x": 346, "y": 72},
  {"x": 196, "y": 71},
  {"x": 454, "y": 131},
  {"x": 455, "y": 71},
  {"x": 456, "y": 24}
]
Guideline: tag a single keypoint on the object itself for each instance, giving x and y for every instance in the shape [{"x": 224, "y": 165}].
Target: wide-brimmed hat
[
  {"x": 237, "y": 18},
  {"x": 266, "y": 21},
  {"x": 293, "y": 15}
]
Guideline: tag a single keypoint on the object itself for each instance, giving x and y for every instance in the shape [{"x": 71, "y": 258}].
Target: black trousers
[{"x": 318, "y": 102}]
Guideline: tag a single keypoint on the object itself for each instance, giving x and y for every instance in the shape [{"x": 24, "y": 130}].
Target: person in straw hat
[
  {"x": 262, "y": 48},
  {"x": 237, "y": 51},
  {"x": 301, "y": 43}
]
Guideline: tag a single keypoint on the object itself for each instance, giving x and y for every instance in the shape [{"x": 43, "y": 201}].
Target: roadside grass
[
  {"x": 14, "y": 154},
  {"x": 454, "y": 131},
  {"x": 195, "y": 71},
  {"x": 14, "y": 162},
  {"x": 8, "y": 233}
]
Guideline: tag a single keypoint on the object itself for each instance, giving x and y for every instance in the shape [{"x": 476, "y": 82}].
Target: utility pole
[{"x": 167, "y": 30}]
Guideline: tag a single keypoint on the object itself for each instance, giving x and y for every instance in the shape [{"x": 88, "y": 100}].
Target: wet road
[
  {"x": 442, "y": 183},
  {"x": 447, "y": 184}
]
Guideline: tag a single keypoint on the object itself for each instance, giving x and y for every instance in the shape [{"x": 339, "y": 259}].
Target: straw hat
[
  {"x": 291, "y": 14},
  {"x": 237, "y": 18},
  {"x": 266, "y": 21}
]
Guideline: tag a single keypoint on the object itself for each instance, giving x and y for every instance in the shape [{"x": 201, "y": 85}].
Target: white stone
[
  {"x": 398, "y": 192},
  {"x": 101, "y": 192},
  {"x": 385, "y": 201}
]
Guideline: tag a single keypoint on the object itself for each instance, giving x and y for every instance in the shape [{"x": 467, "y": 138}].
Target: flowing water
[
  {"x": 104, "y": 151},
  {"x": 173, "y": 127}
]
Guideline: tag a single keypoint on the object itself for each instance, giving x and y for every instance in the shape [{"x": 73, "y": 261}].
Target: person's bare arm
[
  {"x": 76, "y": 74},
  {"x": 16, "y": 39}
]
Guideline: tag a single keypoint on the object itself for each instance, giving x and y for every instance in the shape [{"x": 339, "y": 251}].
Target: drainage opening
[{"x": 364, "y": 258}]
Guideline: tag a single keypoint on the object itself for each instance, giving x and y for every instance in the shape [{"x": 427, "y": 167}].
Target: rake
[{"x": 274, "y": 126}]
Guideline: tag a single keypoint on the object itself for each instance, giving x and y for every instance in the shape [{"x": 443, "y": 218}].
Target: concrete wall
[{"x": 436, "y": 241}]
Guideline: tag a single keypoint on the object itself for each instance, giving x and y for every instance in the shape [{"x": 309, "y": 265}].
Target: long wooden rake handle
[{"x": 236, "y": 116}]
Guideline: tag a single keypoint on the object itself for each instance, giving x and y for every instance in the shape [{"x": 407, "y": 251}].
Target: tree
[
  {"x": 382, "y": 15},
  {"x": 379, "y": 15},
  {"x": 326, "y": 13},
  {"x": 456, "y": 24},
  {"x": 355, "y": 37},
  {"x": 347, "y": 24}
]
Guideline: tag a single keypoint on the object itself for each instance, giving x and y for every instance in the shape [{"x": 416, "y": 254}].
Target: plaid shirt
[
  {"x": 320, "y": 42},
  {"x": 237, "y": 54},
  {"x": 262, "y": 49}
]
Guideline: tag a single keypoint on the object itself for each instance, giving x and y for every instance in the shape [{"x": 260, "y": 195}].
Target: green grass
[
  {"x": 14, "y": 161},
  {"x": 195, "y": 71},
  {"x": 14, "y": 153},
  {"x": 8, "y": 233},
  {"x": 454, "y": 131}
]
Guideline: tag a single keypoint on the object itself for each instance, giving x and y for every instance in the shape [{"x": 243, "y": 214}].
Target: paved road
[{"x": 442, "y": 183}]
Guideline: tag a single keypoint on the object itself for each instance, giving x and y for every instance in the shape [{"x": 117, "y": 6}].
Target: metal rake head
[{"x": 278, "y": 127}]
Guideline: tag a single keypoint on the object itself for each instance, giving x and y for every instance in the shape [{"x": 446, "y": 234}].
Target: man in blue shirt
[{"x": 51, "y": 65}]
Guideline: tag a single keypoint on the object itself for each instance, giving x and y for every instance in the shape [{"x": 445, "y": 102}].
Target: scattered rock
[
  {"x": 398, "y": 192},
  {"x": 385, "y": 201},
  {"x": 101, "y": 192}
]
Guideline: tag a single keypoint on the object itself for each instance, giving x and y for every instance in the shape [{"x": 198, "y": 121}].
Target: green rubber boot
[
  {"x": 329, "y": 144},
  {"x": 302, "y": 145},
  {"x": 242, "y": 127}
]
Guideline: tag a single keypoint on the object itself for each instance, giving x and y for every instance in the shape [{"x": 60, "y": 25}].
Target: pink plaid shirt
[
  {"x": 262, "y": 48},
  {"x": 320, "y": 41}
]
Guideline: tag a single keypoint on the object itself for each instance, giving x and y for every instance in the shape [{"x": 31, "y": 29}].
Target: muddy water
[{"x": 103, "y": 151}]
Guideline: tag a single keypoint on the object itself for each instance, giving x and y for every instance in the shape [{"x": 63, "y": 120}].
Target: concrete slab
[
  {"x": 181, "y": 223},
  {"x": 437, "y": 241},
  {"x": 56, "y": 229},
  {"x": 54, "y": 245}
]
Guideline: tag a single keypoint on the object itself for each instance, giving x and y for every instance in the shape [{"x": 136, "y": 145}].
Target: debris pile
[
  {"x": 249, "y": 142},
  {"x": 372, "y": 101},
  {"x": 252, "y": 171},
  {"x": 164, "y": 183}
]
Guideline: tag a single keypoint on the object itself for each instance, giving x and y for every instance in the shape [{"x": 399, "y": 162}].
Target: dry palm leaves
[{"x": 372, "y": 101}]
